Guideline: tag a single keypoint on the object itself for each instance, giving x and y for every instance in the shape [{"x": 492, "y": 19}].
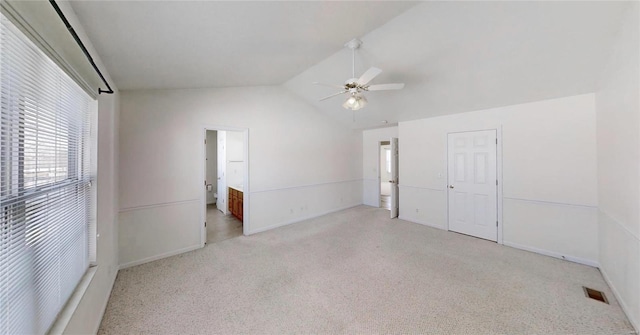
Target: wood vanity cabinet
[{"x": 235, "y": 203}]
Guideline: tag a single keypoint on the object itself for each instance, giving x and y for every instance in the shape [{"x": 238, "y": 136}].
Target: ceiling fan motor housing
[{"x": 353, "y": 44}]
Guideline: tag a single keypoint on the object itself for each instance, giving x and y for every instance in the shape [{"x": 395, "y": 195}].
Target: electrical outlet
[{"x": 417, "y": 210}]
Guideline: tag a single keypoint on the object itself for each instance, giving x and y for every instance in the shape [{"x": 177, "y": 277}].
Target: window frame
[{"x": 77, "y": 132}]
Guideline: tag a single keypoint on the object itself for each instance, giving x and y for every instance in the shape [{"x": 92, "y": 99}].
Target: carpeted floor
[{"x": 359, "y": 272}]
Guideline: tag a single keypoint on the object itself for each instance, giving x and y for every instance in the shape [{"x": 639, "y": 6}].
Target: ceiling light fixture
[
  {"x": 355, "y": 87},
  {"x": 355, "y": 101}
]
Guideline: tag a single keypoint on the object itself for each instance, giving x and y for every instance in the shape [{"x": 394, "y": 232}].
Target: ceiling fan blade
[
  {"x": 369, "y": 75},
  {"x": 328, "y": 85},
  {"x": 383, "y": 87},
  {"x": 333, "y": 95}
]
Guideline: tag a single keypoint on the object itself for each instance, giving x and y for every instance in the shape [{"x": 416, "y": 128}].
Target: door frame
[
  {"x": 246, "y": 215},
  {"x": 498, "y": 129}
]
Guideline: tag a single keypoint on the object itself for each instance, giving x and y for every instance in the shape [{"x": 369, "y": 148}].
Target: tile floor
[
  {"x": 221, "y": 227},
  {"x": 385, "y": 201}
]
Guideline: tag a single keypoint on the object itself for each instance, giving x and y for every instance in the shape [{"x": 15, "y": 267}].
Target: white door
[
  {"x": 394, "y": 178},
  {"x": 222, "y": 175},
  {"x": 472, "y": 187}
]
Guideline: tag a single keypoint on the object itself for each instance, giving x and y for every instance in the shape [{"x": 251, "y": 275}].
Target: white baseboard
[
  {"x": 553, "y": 254},
  {"x": 194, "y": 247},
  {"x": 634, "y": 322},
  {"x": 161, "y": 256},
  {"x": 296, "y": 220},
  {"x": 421, "y": 222}
]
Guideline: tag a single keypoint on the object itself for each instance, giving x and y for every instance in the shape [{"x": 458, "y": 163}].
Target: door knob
[{"x": 450, "y": 186}]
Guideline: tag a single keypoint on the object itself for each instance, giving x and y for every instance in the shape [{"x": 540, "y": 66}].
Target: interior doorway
[
  {"x": 395, "y": 172},
  {"x": 388, "y": 191},
  {"x": 384, "y": 177},
  {"x": 226, "y": 184},
  {"x": 472, "y": 176}
]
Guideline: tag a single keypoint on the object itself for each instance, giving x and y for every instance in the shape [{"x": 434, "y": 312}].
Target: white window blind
[{"x": 45, "y": 191}]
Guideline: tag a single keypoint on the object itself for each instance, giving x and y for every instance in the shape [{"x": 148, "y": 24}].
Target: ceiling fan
[{"x": 355, "y": 87}]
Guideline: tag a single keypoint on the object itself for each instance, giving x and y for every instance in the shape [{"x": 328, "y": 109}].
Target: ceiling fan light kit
[
  {"x": 355, "y": 101},
  {"x": 356, "y": 86}
]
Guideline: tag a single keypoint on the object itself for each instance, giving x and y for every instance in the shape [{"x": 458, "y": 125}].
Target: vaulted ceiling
[
  {"x": 453, "y": 56},
  {"x": 191, "y": 44}
]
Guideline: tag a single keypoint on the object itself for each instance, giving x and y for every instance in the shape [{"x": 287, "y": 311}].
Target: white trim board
[
  {"x": 543, "y": 202},
  {"x": 286, "y": 223},
  {"x": 543, "y": 252},
  {"x": 634, "y": 322},
  {"x": 553, "y": 254},
  {"x": 421, "y": 223},
  {"x": 617, "y": 222},
  {"x": 160, "y": 256},
  {"x": 163, "y": 204},
  {"x": 307, "y": 185},
  {"x": 422, "y": 188}
]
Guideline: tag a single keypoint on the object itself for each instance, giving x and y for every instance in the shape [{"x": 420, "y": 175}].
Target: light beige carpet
[{"x": 358, "y": 272}]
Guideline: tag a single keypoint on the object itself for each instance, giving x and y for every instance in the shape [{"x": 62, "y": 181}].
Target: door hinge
[
  {"x": 496, "y": 223},
  {"x": 205, "y": 224},
  {"x": 205, "y": 141},
  {"x": 496, "y": 141},
  {"x": 205, "y": 183},
  {"x": 496, "y": 182}
]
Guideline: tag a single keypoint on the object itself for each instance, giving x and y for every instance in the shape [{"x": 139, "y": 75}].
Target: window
[{"x": 45, "y": 185}]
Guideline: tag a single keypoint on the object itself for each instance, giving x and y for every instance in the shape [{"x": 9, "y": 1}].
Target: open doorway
[
  {"x": 225, "y": 184},
  {"x": 385, "y": 174}
]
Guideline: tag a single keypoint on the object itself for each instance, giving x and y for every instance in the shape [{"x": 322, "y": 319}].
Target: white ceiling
[
  {"x": 453, "y": 56},
  {"x": 190, "y": 44},
  {"x": 464, "y": 56}
]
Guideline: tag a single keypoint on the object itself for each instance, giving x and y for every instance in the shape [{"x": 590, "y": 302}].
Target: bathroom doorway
[
  {"x": 384, "y": 175},
  {"x": 226, "y": 183}
]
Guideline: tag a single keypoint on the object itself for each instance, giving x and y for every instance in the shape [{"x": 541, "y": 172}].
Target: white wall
[
  {"x": 618, "y": 136},
  {"x": 235, "y": 158},
  {"x": 370, "y": 164},
  {"x": 300, "y": 163},
  {"x": 549, "y": 173},
  {"x": 212, "y": 165}
]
